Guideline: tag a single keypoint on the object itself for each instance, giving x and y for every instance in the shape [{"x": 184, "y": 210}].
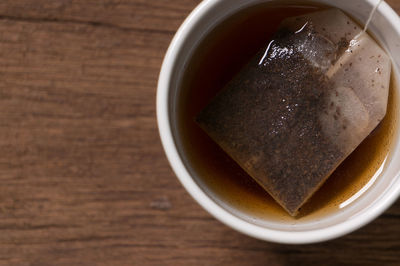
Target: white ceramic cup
[{"x": 374, "y": 201}]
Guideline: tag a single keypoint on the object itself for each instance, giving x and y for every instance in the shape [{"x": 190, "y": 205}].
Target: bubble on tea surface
[{"x": 301, "y": 105}]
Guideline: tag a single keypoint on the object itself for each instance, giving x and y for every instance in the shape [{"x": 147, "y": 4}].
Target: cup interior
[{"x": 377, "y": 195}]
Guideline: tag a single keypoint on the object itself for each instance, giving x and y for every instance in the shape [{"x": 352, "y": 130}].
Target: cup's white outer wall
[{"x": 379, "y": 205}]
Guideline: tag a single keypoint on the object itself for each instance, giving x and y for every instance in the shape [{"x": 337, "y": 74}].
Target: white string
[{"x": 371, "y": 15}]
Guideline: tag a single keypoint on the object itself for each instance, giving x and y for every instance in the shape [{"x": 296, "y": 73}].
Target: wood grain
[{"x": 84, "y": 180}]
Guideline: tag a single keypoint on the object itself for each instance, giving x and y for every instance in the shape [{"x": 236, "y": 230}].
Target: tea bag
[{"x": 301, "y": 105}]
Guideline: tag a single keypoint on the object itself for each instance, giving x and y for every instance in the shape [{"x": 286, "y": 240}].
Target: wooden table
[{"x": 84, "y": 180}]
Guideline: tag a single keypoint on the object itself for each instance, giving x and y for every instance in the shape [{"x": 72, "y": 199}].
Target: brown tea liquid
[{"x": 218, "y": 58}]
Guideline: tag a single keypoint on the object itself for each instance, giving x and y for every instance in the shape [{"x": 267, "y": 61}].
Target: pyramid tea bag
[{"x": 301, "y": 105}]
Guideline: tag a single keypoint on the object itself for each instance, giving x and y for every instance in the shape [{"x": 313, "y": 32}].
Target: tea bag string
[
  {"x": 371, "y": 15},
  {"x": 355, "y": 41}
]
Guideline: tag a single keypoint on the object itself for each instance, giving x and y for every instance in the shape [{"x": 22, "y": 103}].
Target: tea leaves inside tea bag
[{"x": 301, "y": 105}]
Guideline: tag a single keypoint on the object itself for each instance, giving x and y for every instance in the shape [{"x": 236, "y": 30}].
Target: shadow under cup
[{"x": 377, "y": 195}]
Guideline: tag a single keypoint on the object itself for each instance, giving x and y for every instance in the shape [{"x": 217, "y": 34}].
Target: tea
[{"x": 215, "y": 62}]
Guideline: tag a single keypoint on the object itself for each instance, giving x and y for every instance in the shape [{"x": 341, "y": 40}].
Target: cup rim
[{"x": 221, "y": 214}]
